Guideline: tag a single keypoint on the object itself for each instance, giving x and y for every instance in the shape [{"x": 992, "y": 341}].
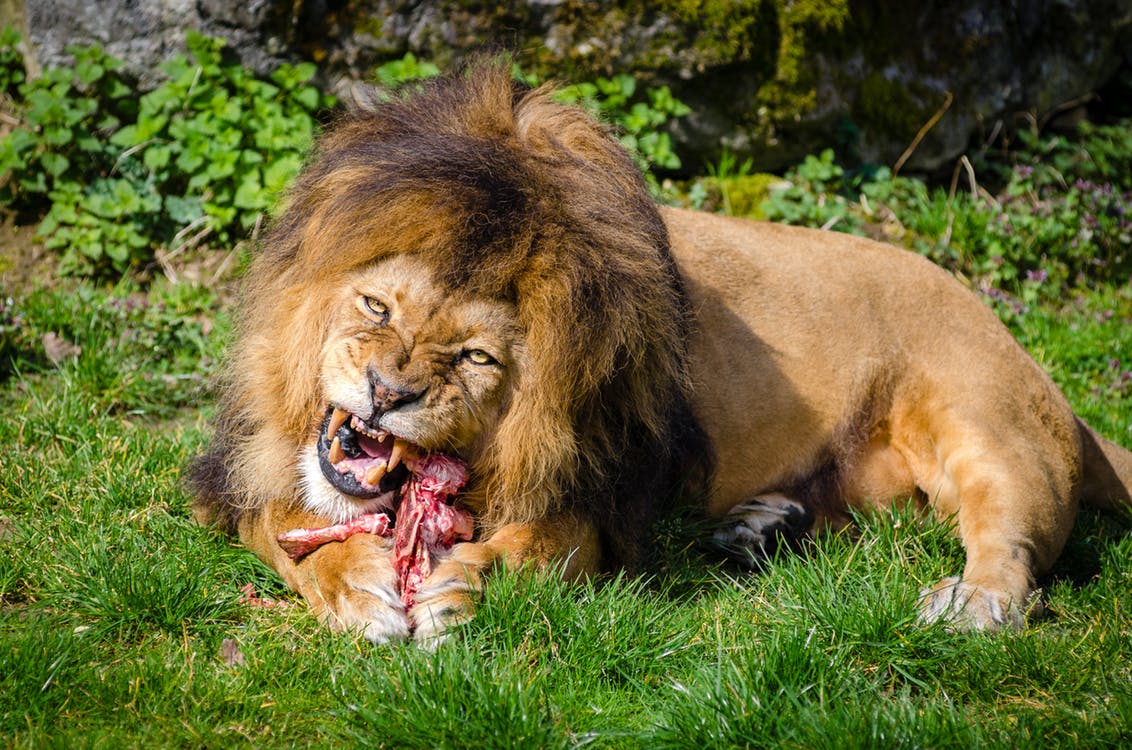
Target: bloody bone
[
  {"x": 301, "y": 542},
  {"x": 426, "y": 523}
]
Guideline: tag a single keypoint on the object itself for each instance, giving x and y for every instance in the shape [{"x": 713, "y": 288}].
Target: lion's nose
[{"x": 387, "y": 397}]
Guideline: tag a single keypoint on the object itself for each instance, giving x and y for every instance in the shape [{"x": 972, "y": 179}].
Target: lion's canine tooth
[
  {"x": 396, "y": 453},
  {"x": 337, "y": 419},
  {"x": 336, "y": 452},
  {"x": 374, "y": 475}
]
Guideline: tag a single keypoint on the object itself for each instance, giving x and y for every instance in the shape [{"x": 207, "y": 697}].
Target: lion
[{"x": 477, "y": 271}]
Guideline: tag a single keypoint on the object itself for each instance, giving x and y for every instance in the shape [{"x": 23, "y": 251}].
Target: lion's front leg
[
  {"x": 350, "y": 585},
  {"x": 447, "y": 597}
]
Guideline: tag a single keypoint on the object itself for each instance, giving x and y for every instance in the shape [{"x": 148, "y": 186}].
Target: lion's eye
[
  {"x": 375, "y": 308},
  {"x": 479, "y": 357}
]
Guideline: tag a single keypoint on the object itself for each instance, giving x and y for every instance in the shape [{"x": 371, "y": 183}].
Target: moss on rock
[
  {"x": 889, "y": 106},
  {"x": 742, "y": 195}
]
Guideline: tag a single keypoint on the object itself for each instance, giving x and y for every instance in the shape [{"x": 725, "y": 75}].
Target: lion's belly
[
  {"x": 763, "y": 432},
  {"x": 800, "y": 352}
]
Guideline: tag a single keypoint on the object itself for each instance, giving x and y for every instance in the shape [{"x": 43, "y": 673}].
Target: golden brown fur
[{"x": 799, "y": 373}]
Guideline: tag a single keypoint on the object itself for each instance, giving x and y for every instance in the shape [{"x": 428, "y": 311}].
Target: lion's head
[{"x": 473, "y": 269}]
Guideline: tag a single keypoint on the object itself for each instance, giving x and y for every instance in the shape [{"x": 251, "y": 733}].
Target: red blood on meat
[{"x": 425, "y": 522}]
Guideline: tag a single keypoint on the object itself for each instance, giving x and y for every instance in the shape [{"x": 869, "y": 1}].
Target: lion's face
[{"x": 406, "y": 366}]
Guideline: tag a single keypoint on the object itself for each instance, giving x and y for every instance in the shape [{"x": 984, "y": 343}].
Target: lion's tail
[{"x": 1107, "y": 480}]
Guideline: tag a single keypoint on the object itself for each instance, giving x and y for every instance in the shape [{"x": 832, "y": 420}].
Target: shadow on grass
[{"x": 1095, "y": 532}]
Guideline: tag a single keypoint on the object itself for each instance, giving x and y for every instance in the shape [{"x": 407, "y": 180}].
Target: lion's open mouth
[{"x": 359, "y": 460}]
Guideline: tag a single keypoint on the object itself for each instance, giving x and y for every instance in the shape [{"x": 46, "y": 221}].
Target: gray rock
[
  {"x": 868, "y": 83},
  {"x": 143, "y": 33}
]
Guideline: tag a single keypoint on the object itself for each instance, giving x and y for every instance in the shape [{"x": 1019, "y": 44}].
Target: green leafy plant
[
  {"x": 724, "y": 173},
  {"x": 730, "y": 187},
  {"x": 812, "y": 195},
  {"x": 65, "y": 116},
  {"x": 408, "y": 69},
  {"x": 11, "y": 62},
  {"x": 218, "y": 144},
  {"x": 202, "y": 156},
  {"x": 1097, "y": 153},
  {"x": 639, "y": 116},
  {"x": 1038, "y": 235}
]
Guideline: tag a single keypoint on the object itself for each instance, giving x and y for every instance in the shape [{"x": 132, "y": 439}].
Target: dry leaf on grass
[
  {"x": 231, "y": 654},
  {"x": 58, "y": 349}
]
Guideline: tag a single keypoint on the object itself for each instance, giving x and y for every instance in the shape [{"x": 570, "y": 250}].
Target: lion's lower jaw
[{"x": 319, "y": 497}]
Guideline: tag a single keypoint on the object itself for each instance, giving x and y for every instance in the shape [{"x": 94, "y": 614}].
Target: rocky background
[{"x": 915, "y": 82}]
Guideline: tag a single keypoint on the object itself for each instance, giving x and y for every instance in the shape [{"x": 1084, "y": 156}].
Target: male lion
[{"x": 478, "y": 272}]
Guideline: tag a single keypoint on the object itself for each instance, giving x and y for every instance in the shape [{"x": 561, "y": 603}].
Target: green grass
[{"x": 122, "y": 625}]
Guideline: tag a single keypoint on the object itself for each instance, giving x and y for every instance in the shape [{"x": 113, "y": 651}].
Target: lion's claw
[{"x": 963, "y": 606}]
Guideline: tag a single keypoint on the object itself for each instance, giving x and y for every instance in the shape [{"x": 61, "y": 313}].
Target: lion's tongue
[{"x": 377, "y": 460}]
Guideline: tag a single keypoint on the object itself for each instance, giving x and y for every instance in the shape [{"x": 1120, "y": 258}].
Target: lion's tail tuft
[{"x": 1107, "y": 480}]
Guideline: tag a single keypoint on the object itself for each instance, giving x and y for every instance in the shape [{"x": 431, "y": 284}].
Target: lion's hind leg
[
  {"x": 1013, "y": 498},
  {"x": 752, "y": 531}
]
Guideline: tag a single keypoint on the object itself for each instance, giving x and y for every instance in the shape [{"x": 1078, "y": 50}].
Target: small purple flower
[{"x": 1037, "y": 276}]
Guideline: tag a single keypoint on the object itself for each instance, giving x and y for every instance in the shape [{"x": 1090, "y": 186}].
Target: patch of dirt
[{"x": 24, "y": 263}]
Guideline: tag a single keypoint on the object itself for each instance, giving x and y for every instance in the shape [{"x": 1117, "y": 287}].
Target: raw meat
[
  {"x": 301, "y": 542},
  {"x": 426, "y": 523}
]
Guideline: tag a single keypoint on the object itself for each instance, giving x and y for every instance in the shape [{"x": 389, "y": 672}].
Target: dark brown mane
[{"x": 509, "y": 195}]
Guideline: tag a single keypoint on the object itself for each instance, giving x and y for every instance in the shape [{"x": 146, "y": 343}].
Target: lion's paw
[
  {"x": 966, "y": 607},
  {"x": 752, "y": 531},
  {"x": 357, "y": 590},
  {"x": 447, "y": 598}
]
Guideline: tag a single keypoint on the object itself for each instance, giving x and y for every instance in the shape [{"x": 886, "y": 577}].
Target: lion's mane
[{"x": 510, "y": 195}]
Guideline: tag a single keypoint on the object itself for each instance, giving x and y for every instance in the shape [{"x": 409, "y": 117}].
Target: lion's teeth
[
  {"x": 337, "y": 419},
  {"x": 336, "y": 452},
  {"x": 397, "y": 452},
  {"x": 374, "y": 475}
]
